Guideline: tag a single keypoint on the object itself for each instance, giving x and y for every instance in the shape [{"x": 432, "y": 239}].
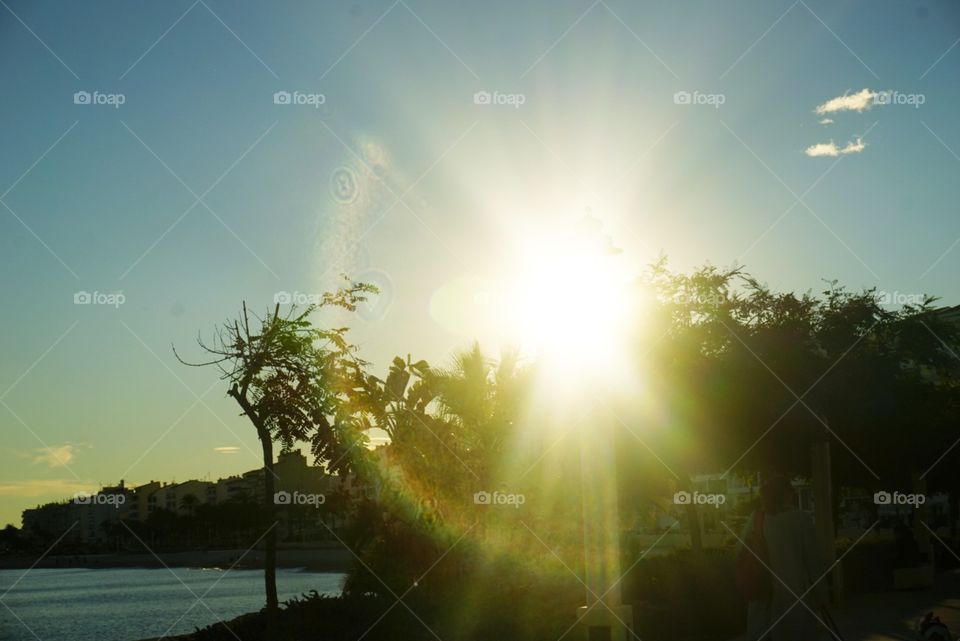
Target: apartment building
[{"x": 88, "y": 519}]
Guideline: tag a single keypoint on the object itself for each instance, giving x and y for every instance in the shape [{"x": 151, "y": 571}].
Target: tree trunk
[
  {"x": 952, "y": 504},
  {"x": 270, "y": 539},
  {"x": 825, "y": 510}
]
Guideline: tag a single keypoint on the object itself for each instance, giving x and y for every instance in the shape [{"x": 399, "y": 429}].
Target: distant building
[
  {"x": 93, "y": 521},
  {"x": 184, "y": 498},
  {"x": 232, "y": 488},
  {"x": 145, "y": 500},
  {"x": 104, "y": 508},
  {"x": 50, "y": 521},
  {"x": 85, "y": 519}
]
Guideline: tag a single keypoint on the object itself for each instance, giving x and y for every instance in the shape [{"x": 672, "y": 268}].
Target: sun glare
[{"x": 571, "y": 305}]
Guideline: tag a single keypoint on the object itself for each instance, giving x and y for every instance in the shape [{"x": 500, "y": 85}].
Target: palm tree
[
  {"x": 482, "y": 400},
  {"x": 189, "y": 503}
]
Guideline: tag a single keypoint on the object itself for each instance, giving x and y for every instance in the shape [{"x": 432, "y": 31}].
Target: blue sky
[{"x": 199, "y": 191}]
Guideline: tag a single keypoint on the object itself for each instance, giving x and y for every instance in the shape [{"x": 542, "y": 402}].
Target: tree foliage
[{"x": 288, "y": 375}]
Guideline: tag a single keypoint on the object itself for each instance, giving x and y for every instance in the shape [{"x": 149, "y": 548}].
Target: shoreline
[{"x": 322, "y": 559}]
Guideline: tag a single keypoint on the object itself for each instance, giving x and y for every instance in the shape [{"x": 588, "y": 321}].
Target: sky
[{"x": 163, "y": 162}]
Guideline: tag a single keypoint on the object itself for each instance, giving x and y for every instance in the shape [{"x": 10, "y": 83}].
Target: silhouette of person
[{"x": 795, "y": 561}]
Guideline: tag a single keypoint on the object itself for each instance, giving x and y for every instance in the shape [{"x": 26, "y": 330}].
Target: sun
[{"x": 572, "y": 304}]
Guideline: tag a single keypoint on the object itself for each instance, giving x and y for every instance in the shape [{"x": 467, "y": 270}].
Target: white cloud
[
  {"x": 831, "y": 149},
  {"x": 860, "y": 101},
  {"x": 59, "y": 456},
  {"x": 57, "y": 488},
  {"x": 826, "y": 121},
  {"x": 229, "y": 449},
  {"x": 822, "y": 149},
  {"x": 854, "y": 147}
]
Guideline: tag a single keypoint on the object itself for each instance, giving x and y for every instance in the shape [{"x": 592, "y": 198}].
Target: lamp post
[{"x": 604, "y": 617}]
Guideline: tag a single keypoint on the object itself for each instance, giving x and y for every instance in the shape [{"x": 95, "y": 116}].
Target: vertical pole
[
  {"x": 605, "y": 616},
  {"x": 921, "y": 515},
  {"x": 601, "y": 523},
  {"x": 823, "y": 514}
]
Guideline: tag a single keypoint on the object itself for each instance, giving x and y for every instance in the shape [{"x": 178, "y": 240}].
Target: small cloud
[
  {"x": 831, "y": 149},
  {"x": 59, "y": 456},
  {"x": 826, "y": 121},
  {"x": 822, "y": 149},
  {"x": 854, "y": 147},
  {"x": 46, "y": 487},
  {"x": 230, "y": 449},
  {"x": 860, "y": 101}
]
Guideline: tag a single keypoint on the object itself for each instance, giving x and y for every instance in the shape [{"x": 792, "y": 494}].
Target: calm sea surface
[{"x": 127, "y": 604}]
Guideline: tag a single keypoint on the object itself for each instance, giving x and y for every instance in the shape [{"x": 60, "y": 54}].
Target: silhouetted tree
[
  {"x": 750, "y": 378},
  {"x": 283, "y": 373}
]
